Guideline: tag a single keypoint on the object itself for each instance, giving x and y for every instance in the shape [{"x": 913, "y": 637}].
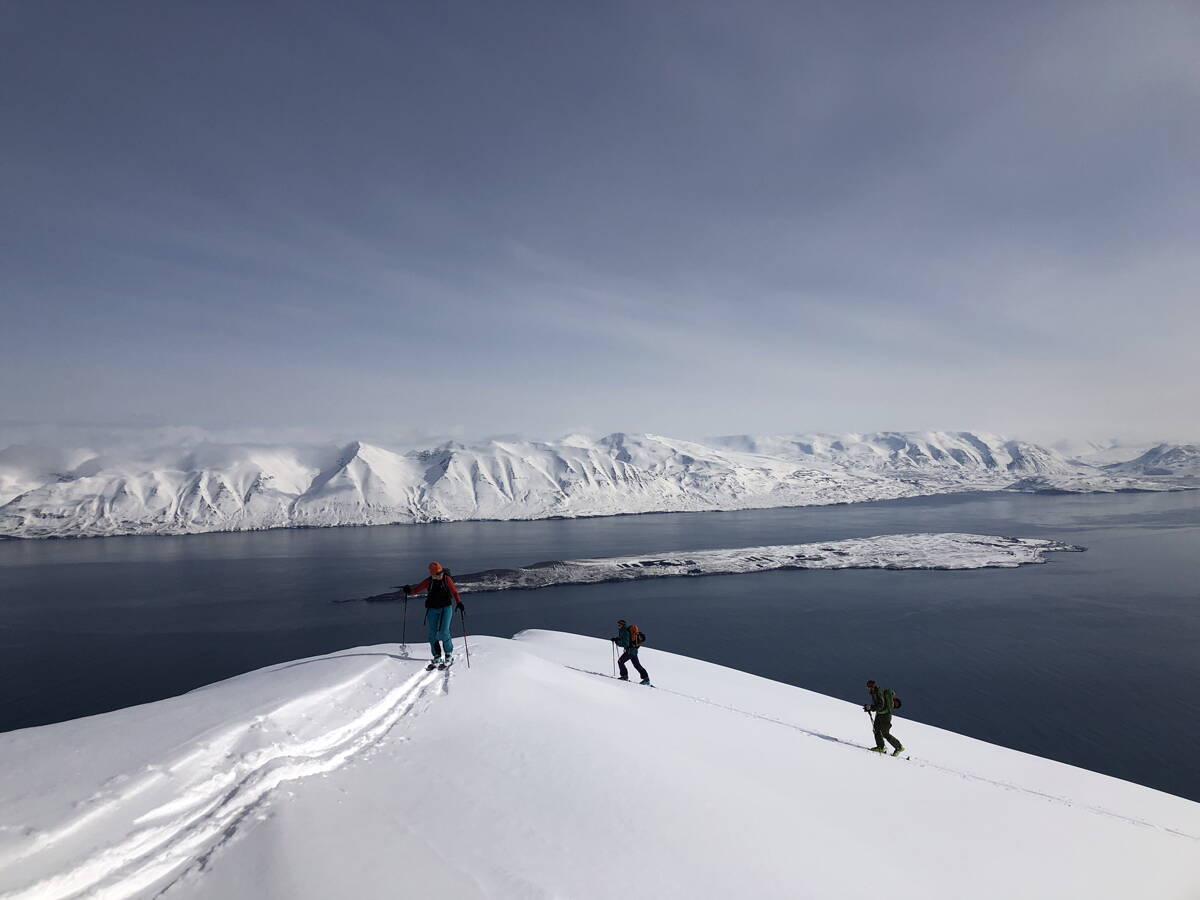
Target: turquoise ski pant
[{"x": 439, "y": 630}]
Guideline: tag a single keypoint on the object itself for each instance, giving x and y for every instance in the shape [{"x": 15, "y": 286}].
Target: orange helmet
[{"x": 434, "y": 568}]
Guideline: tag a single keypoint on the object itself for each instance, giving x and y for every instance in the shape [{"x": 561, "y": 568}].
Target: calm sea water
[{"x": 1092, "y": 659}]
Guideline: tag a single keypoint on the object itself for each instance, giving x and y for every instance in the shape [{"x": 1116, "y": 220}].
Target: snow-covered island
[
  {"x": 534, "y": 773},
  {"x": 202, "y": 487},
  {"x": 888, "y": 551}
]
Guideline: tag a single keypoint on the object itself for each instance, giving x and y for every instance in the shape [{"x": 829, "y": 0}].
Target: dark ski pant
[
  {"x": 439, "y": 621},
  {"x": 630, "y": 655},
  {"x": 883, "y": 730}
]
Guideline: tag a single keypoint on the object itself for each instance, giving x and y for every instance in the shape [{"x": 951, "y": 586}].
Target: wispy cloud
[{"x": 694, "y": 219}]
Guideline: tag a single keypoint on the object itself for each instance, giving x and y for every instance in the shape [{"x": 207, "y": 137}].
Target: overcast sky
[{"x": 445, "y": 218}]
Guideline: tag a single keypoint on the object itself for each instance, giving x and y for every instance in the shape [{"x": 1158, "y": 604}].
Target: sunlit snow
[{"x": 536, "y": 774}]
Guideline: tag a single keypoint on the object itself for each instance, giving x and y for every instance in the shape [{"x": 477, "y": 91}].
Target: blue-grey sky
[{"x": 450, "y": 218}]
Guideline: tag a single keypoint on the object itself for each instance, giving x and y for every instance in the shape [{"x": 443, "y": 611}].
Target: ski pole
[
  {"x": 462, "y": 614},
  {"x": 404, "y": 627},
  {"x": 614, "y": 649}
]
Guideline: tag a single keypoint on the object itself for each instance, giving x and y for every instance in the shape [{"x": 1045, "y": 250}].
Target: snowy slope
[
  {"x": 533, "y": 774},
  {"x": 210, "y": 487}
]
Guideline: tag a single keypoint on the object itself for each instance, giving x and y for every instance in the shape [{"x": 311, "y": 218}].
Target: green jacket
[{"x": 882, "y": 701}]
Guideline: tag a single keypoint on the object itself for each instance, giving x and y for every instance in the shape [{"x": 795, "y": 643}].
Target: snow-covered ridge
[
  {"x": 359, "y": 774},
  {"x": 889, "y": 551},
  {"x": 209, "y": 487},
  {"x": 891, "y": 451}
]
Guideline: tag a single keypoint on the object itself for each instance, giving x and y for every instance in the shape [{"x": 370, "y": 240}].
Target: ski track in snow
[
  {"x": 919, "y": 761},
  {"x": 183, "y": 833}
]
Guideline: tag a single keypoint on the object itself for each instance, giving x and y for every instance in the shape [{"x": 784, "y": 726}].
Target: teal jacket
[{"x": 624, "y": 641}]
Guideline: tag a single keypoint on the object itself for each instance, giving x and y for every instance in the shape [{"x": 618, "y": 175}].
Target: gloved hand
[
  {"x": 866, "y": 709},
  {"x": 614, "y": 640},
  {"x": 407, "y": 589},
  {"x": 460, "y": 607}
]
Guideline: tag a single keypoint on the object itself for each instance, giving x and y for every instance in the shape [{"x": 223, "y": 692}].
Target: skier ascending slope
[
  {"x": 439, "y": 612},
  {"x": 629, "y": 639},
  {"x": 882, "y": 703}
]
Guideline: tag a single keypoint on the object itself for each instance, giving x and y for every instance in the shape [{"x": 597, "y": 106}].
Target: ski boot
[
  {"x": 878, "y": 750},
  {"x": 644, "y": 681},
  {"x": 433, "y": 664},
  {"x": 898, "y": 750},
  {"x": 622, "y": 678},
  {"x": 446, "y": 662}
]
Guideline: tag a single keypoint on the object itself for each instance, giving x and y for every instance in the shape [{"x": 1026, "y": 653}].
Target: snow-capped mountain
[
  {"x": 1163, "y": 459},
  {"x": 25, "y": 467},
  {"x": 1102, "y": 452},
  {"x": 224, "y": 487}
]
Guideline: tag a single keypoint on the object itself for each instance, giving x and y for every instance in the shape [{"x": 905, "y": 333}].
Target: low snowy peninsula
[
  {"x": 536, "y": 774},
  {"x": 888, "y": 551}
]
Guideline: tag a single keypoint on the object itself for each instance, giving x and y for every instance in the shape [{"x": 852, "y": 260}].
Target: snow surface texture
[
  {"x": 208, "y": 487},
  {"x": 889, "y": 551},
  {"x": 536, "y": 774}
]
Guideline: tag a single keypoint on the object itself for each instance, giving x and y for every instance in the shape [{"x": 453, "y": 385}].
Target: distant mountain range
[{"x": 203, "y": 487}]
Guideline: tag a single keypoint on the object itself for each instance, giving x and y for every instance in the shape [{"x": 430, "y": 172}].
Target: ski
[
  {"x": 626, "y": 680},
  {"x": 606, "y": 675}
]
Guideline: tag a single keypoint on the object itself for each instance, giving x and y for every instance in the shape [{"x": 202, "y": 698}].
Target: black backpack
[
  {"x": 440, "y": 590},
  {"x": 896, "y": 704}
]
